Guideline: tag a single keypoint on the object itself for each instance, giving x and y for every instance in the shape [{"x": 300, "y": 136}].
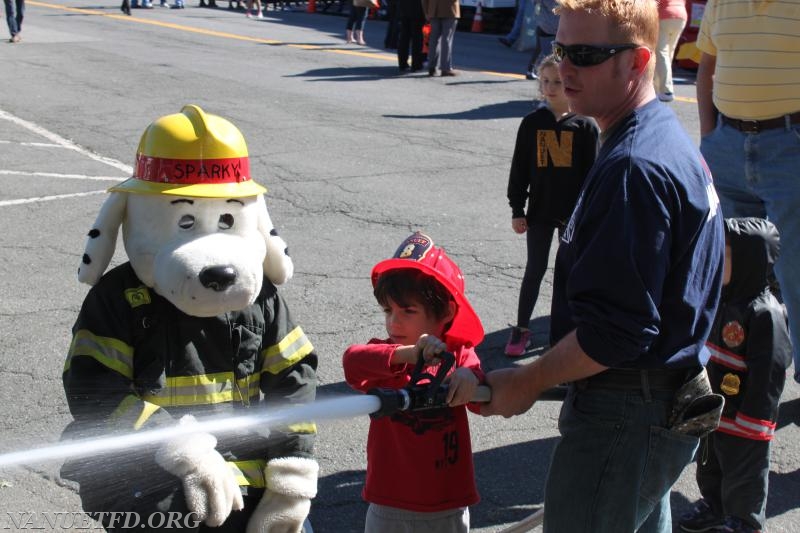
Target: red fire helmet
[{"x": 418, "y": 252}]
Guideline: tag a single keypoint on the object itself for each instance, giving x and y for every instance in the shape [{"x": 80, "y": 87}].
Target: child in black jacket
[{"x": 750, "y": 352}]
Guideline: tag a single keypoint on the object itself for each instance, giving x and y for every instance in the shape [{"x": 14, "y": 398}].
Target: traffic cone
[
  {"x": 312, "y": 6},
  {"x": 477, "y": 21}
]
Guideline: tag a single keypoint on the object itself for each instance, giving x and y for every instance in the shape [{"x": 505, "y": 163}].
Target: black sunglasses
[{"x": 586, "y": 55}]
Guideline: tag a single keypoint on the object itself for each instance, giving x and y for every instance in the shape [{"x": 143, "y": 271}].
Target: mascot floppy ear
[
  {"x": 102, "y": 239},
  {"x": 278, "y": 266}
]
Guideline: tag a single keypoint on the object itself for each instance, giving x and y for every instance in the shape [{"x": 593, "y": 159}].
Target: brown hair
[
  {"x": 403, "y": 286},
  {"x": 632, "y": 21}
]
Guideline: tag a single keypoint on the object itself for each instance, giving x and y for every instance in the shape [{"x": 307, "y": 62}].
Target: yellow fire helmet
[{"x": 192, "y": 153}]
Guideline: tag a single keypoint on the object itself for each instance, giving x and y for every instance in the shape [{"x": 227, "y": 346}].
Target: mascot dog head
[{"x": 194, "y": 224}]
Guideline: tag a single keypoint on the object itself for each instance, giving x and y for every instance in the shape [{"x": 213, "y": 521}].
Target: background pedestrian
[
  {"x": 15, "y": 12},
  {"x": 671, "y": 21},
  {"x": 443, "y": 16}
]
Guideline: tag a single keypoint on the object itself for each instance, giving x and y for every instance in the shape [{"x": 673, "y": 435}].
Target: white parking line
[
  {"x": 38, "y": 145},
  {"x": 62, "y": 176},
  {"x": 57, "y": 141},
  {"x": 66, "y": 143},
  {"x": 48, "y": 198}
]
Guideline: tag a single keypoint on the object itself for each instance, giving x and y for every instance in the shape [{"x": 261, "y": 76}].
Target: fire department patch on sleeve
[
  {"x": 732, "y": 334},
  {"x": 730, "y": 384}
]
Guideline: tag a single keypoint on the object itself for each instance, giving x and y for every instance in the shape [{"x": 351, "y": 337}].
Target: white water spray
[{"x": 327, "y": 409}]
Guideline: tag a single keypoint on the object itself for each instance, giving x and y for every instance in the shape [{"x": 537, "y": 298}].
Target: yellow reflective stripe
[
  {"x": 291, "y": 349},
  {"x": 133, "y": 412},
  {"x": 147, "y": 412},
  {"x": 203, "y": 389},
  {"x": 169, "y": 400},
  {"x": 254, "y": 385},
  {"x": 111, "y": 353},
  {"x": 303, "y": 427},
  {"x": 203, "y": 380},
  {"x": 250, "y": 383},
  {"x": 249, "y": 473}
]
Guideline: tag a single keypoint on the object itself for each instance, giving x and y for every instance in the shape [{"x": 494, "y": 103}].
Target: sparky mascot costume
[{"x": 191, "y": 325}]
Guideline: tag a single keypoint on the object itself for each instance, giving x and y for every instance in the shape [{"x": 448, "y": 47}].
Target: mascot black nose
[{"x": 218, "y": 278}]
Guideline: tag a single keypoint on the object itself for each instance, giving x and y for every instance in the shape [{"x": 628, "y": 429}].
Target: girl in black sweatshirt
[{"x": 554, "y": 151}]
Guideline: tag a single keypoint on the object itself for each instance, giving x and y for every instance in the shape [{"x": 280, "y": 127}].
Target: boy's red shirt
[{"x": 427, "y": 472}]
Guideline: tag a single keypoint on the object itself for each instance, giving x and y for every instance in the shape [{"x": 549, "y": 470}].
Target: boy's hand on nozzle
[
  {"x": 463, "y": 383},
  {"x": 519, "y": 225},
  {"x": 429, "y": 347}
]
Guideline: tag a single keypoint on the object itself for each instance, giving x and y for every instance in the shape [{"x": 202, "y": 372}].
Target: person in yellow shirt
[{"x": 749, "y": 106}]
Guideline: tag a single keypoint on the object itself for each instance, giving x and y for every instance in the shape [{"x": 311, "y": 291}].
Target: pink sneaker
[{"x": 518, "y": 342}]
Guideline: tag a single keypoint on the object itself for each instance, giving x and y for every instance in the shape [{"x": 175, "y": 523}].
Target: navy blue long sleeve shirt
[{"x": 639, "y": 269}]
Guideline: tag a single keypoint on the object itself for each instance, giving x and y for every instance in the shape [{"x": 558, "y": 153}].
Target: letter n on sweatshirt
[{"x": 547, "y": 143}]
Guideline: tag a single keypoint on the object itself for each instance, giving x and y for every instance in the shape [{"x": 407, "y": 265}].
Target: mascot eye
[
  {"x": 186, "y": 221},
  {"x": 225, "y": 221}
]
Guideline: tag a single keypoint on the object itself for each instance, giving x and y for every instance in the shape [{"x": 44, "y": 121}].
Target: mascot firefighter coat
[{"x": 192, "y": 324}]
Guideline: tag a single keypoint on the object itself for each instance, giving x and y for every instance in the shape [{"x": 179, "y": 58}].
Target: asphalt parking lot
[{"x": 355, "y": 158}]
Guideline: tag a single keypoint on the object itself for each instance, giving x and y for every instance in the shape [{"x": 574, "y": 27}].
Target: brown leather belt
[
  {"x": 755, "y": 126},
  {"x": 636, "y": 379}
]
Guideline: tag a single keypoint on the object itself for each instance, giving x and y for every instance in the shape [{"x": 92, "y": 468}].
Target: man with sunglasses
[{"x": 636, "y": 287}]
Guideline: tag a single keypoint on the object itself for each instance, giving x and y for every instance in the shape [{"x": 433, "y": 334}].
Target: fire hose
[
  {"x": 424, "y": 391},
  {"x": 429, "y": 391}
]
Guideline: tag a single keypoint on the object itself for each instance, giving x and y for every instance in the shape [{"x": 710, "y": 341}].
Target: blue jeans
[
  {"x": 543, "y": 48},
  {"x": 513, "y": 35},
  {"x": 614, "y": 466},
  {"x": 758, "y": 175},
  {"x": 13, "y": 19}
]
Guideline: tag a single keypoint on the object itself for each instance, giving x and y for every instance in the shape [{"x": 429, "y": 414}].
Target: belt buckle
[{"x": 749, "y": 126}]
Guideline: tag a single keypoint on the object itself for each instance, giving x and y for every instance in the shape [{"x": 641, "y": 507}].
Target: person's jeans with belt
[
  {"x": 758, "y": 175},
  {"x": 616, "y": 461}
]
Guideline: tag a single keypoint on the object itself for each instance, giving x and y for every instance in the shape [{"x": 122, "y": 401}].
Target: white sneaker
[
  {"x": 260, "y": 15},
  {"x": 666, "y": 97}
]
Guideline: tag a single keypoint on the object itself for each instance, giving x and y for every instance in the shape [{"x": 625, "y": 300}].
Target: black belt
[
  {"x": 755, "y": 126},
  {"x": 635, "y": 379}
]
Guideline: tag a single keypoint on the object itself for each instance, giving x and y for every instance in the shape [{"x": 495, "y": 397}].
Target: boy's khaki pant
[{"x": 383, "y": 519}]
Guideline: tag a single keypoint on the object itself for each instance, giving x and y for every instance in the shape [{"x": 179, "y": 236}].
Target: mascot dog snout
[{"x": 218, "y": 277}]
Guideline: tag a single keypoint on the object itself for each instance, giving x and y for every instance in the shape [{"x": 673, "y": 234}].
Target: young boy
[
  {"x": 750, "y": 352},
  {"x": 419, "y": 465}
]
